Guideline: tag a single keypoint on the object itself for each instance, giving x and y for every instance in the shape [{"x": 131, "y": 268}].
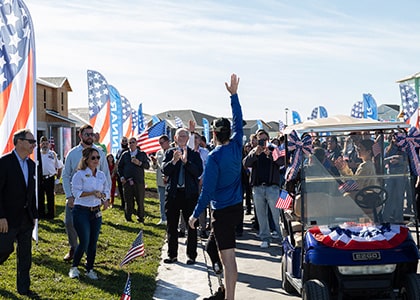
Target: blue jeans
[
  {"x": 88, "y": 226},
  {"x": 265, "y": 198},
  {"x": 162, "y": 196}
]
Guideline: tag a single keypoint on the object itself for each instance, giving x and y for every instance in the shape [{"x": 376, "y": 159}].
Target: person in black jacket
[
  {"x": 18, "y": 206},
  {"x": 183, "y": 166},
  {"x": 131, "y": 168}
]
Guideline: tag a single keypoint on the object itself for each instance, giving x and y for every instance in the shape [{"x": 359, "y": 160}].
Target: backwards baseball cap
[{"x": 220, "y": 125}]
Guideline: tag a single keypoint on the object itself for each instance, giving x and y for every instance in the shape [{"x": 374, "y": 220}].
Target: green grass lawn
[{"x": 49, "y": 273}]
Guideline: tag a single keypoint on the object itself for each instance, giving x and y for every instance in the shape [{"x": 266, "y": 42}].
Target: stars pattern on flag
[
  {"x": 136, "y": 249},
  {"x": 357, "y": 110},
  {"x": 15, "y": 32},
  {"x": 314, "y": 114},
  {"x": 98, "y": 93},
  {"x": 126, "y": 295},
  {"x": 178, "y": 122},
  {"x": 126, "y": 108},
  {"x": 410, "y": 103},
  {"x": 281, "y": 126},
  {"x": 135, "y": 119}
]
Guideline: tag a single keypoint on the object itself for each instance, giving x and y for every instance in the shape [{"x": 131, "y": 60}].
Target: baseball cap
[{"x": 221, "y": 125}]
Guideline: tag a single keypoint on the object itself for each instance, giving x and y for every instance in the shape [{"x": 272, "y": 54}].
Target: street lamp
[{"x": 286, "y": 110}]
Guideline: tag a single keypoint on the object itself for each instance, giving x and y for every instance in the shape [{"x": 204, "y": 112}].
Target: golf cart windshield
[{"x": 354, "y": 174}]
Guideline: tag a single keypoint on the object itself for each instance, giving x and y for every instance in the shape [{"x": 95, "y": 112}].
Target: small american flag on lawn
[
  {"x": 126, "y": 295},
  {"x": 285, "y": 200},
  {"x": 136, "y": 250}
]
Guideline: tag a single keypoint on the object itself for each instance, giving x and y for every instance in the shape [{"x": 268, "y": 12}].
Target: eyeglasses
[
  {"x": 88, "y": 134},
  {"x": 95, "y": 157},
  {"x": 30, "y": 141}
]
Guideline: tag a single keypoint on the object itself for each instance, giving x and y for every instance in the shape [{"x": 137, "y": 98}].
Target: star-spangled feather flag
[
  {"x": 135, "y": 121},
  {"x": 127, "y": 117},
  {"x": 206, "y": 129},
  {"x": 370, "y": 108},
  {"x": 281, "y": 126},
  {"x": 141, "y": 123},
  {"x": 136, "y": 250},
  {"x": 99, "y": 106},
  {"x": 296, "y": 117},
  {"x": 178, "y": 122},
  {"x": 126, "y": 295},
  {"x": 410, "y": 105},
  {"x": 357, "y": 110},
  {"x": 148, "y": 140},
  {"x": 284, "y": 201},
  {"x": 17, "y": 72},
  {"x": 314, "y": 114}
]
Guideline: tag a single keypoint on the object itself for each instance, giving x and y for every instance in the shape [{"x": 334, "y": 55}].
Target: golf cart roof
[{"x": 340, "y": 123}]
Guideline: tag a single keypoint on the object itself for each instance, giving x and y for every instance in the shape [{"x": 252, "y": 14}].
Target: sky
[{"x": 172, "y": 55}]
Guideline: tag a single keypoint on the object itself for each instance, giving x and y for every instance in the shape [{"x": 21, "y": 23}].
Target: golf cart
[{"x": 350, "y": 232}]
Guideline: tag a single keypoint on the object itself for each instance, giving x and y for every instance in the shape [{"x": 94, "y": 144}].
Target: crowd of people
[{"x": 206, "y": 186}]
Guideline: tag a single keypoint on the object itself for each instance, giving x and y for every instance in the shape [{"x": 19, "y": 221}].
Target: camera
[{"x": 261, "y": 143}]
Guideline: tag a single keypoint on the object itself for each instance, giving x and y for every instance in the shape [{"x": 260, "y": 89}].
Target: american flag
[
  {"x": 126, "y": 295},
  {"x": 126, "y": 117},
  {"x": 357, "y": 110},
  {"x": 17, "y": 72},
  {"x": 148, "y": 140},
  {"x": 348, "y": 186},
  {"x": 178, "y": 122},
  {"x": 281, "y": 126},
  {"x": 135, "y": 120},
  {"x": 278, "y": 152},
  {"x": 285, "y": 200},
  {"x": 314, "y": 114},
  {"x": 136, "y": 250},
  {"x": 410, "y": 105},
  {"x": 99, "y": 106}
]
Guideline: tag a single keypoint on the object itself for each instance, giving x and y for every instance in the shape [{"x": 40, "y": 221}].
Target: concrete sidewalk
[{"x": 259, "y": 275}]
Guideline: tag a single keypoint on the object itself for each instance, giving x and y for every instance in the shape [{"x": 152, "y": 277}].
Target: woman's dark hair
[
  {"x": 86, "y": 153},
  {"x": 367, "y": 144}
]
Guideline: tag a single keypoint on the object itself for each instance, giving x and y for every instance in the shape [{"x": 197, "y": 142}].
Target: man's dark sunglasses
[{"x": 30, "y": 141}]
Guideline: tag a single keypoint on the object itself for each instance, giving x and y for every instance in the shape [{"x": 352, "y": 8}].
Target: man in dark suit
[
  {"x": 18, "y": 206},
  {"x": 183, "y": 166}
]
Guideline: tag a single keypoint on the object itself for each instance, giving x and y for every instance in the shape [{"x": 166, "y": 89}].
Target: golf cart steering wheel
[{"x": 371, "y": 197}]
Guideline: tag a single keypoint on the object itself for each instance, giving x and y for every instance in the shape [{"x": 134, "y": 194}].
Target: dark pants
[
  {"x": 134, "y": 193},
  {"x": 46, "y": 188},
  {"x": 23, "y": 236},
  {"x": 88, "y": 225},
  {"x": 121, "y": 191},
  {"x": 173, "y": 208}
]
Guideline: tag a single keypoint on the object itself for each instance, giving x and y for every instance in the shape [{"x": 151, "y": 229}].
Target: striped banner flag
[
  {"x": 99, "y": 107},
  {"x": 148, "y": 140},
  {"x": 136, "y": 249},
  {"x": 17, "y": 72}
]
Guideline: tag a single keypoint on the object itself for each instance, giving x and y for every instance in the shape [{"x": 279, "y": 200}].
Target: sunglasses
[
  {"x": 30, "y": 141},
  {"x": 88, "y": 134},
  {"x": 133, "y": 142},
  {"x": 95, "y": 157}
]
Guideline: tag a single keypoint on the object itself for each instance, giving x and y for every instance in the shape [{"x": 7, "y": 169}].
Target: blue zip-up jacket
[{"x": 222, "y": 185}]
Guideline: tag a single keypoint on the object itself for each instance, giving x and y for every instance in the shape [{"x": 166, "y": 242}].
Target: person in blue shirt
[{"x": 222, "y": 187}]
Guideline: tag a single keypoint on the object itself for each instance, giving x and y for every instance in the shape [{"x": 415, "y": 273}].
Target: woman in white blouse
[{"x": 91, "y": 190}]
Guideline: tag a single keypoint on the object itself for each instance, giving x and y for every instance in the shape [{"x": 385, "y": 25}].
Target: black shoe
[
  {"x": 203, "y": 234},
  {"x": 30, "y": 294},
  {"x": 190, "y": 261},
  {"x": 170, "y": 260},
  {"x": 69, "y": 256},
  {"x": 181, "y": 234},
  {"x": 140, "y": 220},
  {"x": 219, "y": 295}
]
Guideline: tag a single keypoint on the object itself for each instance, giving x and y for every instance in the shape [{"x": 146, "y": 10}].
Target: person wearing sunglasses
[
  {"x": 70, "y": 167},
  {"x": 18, "y": 206},
  {"x": 91, "y": 190}
]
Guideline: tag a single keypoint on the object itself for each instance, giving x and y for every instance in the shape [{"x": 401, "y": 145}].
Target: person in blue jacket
[{"x": 222, "y": 187}]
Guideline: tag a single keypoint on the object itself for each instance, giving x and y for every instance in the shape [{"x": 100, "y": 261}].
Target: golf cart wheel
[
  {"x": 286, "y": 285},
  {"x": 315, "y": 290},
  {"x": 410, "y": 289}
]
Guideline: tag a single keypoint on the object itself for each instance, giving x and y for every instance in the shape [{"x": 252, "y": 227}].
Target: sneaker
[
  {"x": 219, "y": 295},
  {"x": 92, "y": 275},
  {"x": 74, "y": 272},
  {"x": 275, "y": 235},
  {"x": 265, "y": 245},
  {"x": 161, "y": 222}
]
